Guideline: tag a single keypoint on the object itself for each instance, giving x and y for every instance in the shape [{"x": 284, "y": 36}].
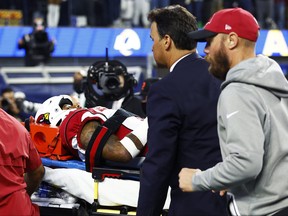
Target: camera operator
[
  {"x": 16, "y": 105},
  {"x": 108, "y": 84},
  {"x": 38, "y": 47}
]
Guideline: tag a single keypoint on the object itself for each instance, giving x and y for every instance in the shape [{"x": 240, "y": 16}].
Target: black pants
[{"x": 283, "y": 212}]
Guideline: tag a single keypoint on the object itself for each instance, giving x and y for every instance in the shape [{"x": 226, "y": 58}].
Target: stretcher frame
[{"x": 99, "y": 174}]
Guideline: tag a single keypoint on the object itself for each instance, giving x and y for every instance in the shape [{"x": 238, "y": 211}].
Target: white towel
[{"x": 112, "y": 192}]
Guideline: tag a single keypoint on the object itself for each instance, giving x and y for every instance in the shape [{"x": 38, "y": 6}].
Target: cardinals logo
[{"x": 43, "y": 119}]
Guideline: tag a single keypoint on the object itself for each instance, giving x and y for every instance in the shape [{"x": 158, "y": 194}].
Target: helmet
[{"x": 51, "y": 111}]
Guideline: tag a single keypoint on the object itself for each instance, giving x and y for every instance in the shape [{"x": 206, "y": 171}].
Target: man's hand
[{"x": 185, "y": 179}]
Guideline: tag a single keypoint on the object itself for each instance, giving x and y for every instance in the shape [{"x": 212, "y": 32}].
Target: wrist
[{"x": 194, "y": 179}]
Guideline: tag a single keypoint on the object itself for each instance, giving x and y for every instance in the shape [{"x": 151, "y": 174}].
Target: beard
[{"x": 219, "y": 66}]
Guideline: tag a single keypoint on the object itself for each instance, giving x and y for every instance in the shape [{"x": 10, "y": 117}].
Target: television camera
[{"x": 108, "y": 80}]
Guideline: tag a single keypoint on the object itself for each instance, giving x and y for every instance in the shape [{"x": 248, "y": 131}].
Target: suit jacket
[{"x": 182, "y": 117}]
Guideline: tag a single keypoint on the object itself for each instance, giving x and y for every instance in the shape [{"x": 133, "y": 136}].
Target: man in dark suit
[{"x": 181, "y": 112}]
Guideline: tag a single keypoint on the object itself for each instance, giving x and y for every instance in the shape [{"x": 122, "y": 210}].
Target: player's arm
[
  {"x": 115, "y": 149},
  {"x": 33, "y": 179},
  {"x": 130, "y": 146},
  {"x": 87, "y": 132}
]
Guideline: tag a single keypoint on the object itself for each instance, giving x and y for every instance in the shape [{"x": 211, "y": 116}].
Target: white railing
[
  {"x": 49, "y": 74},
  {"x": 38, "y": 75}
]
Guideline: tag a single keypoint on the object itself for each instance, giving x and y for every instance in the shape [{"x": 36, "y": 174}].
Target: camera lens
[{"x": 112, "y": 83}]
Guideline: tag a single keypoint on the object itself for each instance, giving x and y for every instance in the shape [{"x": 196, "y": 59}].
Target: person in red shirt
[{"x": 21, "y": 169}]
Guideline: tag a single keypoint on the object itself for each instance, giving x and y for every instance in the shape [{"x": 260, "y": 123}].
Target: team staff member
[
  {"x": 21, "y": 168},
  {"x": 181, "y": 110},
  {"x": 252, "y": 119}
]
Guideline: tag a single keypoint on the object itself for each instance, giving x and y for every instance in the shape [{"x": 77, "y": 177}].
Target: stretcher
[
  {"x": 99, "y": 174},
  {"x": 115, "y": 190},
  {"x": 53, "y": 200},
  {"x": 115, "y": 185}
]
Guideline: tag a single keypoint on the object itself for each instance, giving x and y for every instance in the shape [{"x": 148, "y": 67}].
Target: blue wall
[{"x": 92, "y": 42}]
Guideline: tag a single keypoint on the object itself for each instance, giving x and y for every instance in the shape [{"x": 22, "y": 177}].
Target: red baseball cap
[{"x": 237, "y": 20}]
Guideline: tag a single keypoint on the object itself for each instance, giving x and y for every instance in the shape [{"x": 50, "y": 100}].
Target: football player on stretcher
[{"x": 99, "y": 133}]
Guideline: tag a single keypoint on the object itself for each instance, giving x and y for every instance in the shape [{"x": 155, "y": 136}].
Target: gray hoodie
[{"x": 253, "y": 133}]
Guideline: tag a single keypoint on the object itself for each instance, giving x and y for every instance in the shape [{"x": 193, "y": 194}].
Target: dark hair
[
  {"x": 6, "y": 90},
  {"x": 175, "y": 21}
]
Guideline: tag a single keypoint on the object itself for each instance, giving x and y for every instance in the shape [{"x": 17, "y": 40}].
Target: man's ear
[
  {"x": 167, "y": 41},
  {"x": 232, "y": 40}
]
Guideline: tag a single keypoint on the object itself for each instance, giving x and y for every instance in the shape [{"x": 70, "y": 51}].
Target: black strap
[
  {"x": 93, "y": 155},
  {"x": 114, "y": 122}
]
